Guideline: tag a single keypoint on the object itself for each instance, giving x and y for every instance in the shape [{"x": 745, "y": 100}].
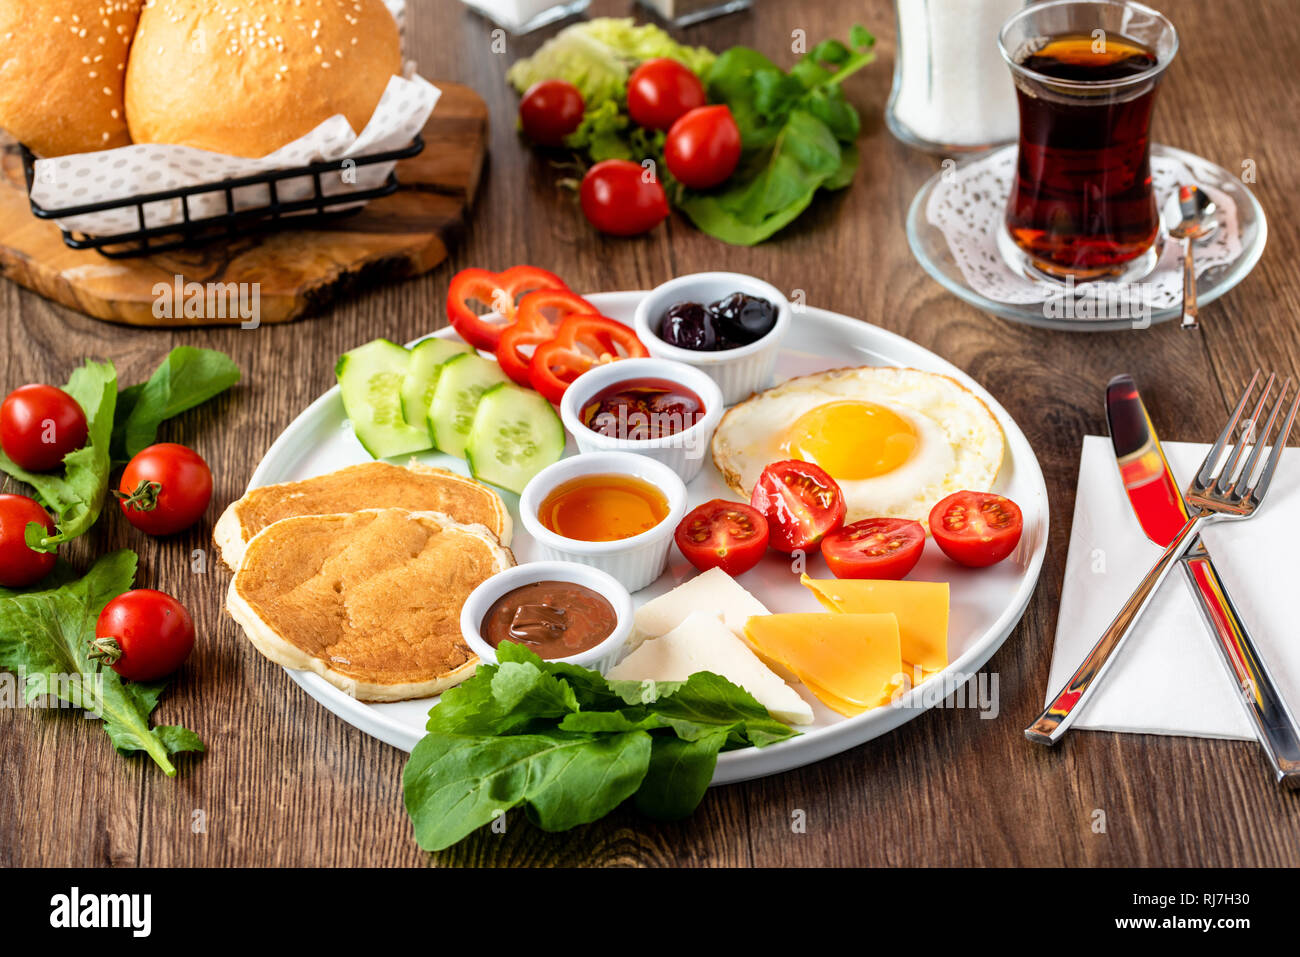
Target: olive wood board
[{"x": 300, "y": 271}]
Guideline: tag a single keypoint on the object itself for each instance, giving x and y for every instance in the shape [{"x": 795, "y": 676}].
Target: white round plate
[{"x": 986, "y": 603}]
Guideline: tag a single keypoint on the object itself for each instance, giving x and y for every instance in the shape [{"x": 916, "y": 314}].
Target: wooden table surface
[{"x": 284, "y": 782}]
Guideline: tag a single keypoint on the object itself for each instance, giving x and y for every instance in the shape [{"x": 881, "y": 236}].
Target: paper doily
[{"x": 969, "y": 203}]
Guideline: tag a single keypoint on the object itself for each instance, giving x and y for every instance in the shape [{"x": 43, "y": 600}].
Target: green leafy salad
[
  {"x": 797, "y": 128},
  {"x": 46, "y": 630},
  {"x": 569, "y": 746}
]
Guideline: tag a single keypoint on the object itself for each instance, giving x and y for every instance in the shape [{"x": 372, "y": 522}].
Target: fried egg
[{"x": 896, "y": 441}]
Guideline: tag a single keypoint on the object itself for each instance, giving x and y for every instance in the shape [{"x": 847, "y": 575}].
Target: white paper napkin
[{"x": 1169, "y": 678}]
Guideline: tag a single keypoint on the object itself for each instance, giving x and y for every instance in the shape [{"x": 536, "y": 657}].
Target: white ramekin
[
  {"x": 683, "y": 452},
  {"x": 600, "y": 658},
  {"x": 635, "y": 562},
  {"x": 738, "y": 372}
]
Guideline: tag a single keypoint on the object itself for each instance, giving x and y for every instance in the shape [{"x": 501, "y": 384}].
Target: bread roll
[
  {"x": 62, "y": 66},
  {"x": 246, "y": 77}
]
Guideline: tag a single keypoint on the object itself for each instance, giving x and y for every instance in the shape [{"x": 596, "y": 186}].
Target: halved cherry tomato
[
  {"x": 550, "y": 111},
  {"x": 801, "y": 503},
  {"x": 537, "y": 317},
  {"x": 977, "y": 529},
  {"x": 875, "y": 548},
  {"x": 721, "y": 534},
  {"x": 661, "y": 90},
  {"x": 500, "y": 292},
  {"x": 580, "y": 343}
]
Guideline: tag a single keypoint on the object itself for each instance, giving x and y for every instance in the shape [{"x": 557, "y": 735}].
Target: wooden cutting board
[{"x": 298, "y": 271}]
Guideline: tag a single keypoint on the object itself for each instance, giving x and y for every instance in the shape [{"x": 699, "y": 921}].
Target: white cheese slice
[
  {"x": 702, "y": 642},
  {"x": 707, "y": 590}
]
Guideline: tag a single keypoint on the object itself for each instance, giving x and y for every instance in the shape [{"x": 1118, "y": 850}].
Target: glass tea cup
[{"x": 1086, "y": 74}]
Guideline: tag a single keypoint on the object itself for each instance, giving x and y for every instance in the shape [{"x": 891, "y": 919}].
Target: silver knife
[{"x": 1162, "y": 513}]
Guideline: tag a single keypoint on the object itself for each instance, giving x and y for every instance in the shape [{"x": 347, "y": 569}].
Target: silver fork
[{"x": 1214, "y": 495}]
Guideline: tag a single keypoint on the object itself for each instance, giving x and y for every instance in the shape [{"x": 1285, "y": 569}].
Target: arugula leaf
[
  {"x": 678, "y": 776},
  {"x": 797, "y": 131},
  {"x": 46, "y": 635},
  {"x": 569, "y": 746},
  {"x": 76, "y": 497},
  {"x": 455, "y": 784},
  {"x": 188, "y": 377}
]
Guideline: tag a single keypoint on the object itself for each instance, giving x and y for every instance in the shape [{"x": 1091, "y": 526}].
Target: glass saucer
[{"x": 931, "y": 248}]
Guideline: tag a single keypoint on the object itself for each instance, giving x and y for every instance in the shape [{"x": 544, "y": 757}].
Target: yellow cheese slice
[
  {"x": 921, "y": 609},
  {"x": 851, "y": 662}
]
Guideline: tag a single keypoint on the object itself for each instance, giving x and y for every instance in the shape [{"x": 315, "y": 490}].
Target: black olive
[
  {"x": 742, "y": 319},
  {"x": 688, "y": 325}
]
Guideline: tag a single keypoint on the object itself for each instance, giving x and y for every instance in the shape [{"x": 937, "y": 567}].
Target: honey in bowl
[{"x": 602, "y": 508}]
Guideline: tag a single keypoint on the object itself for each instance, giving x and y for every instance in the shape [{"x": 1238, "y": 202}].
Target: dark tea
[{"x": 1081, "y": 203}]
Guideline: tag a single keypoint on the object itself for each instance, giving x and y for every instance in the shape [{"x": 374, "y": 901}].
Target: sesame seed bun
[
  {"x": 62, "y": 66},
  {"x": 245, "y": 77}
]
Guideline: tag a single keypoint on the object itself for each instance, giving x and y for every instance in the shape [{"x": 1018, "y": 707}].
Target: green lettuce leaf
[
  {"x": 189, "y": 376},
  {"x": 46, "y": 637},
  {"x": 76, "y": 496}
]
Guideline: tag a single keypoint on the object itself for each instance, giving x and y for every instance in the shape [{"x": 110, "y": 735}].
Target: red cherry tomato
[
  {"x": 703, "y": 147},
  {"x": 875, "y": 548},
  {"x": 550, "y": 111},
  {"x": 659, "y": 91},
  {"x": 39, "y": 425},
  {"x": 802, "y": 504},
  {"x": 721, "y": 534},
  {"x": 143, "y": 635},
  {"x": 20, "y": 566},
  {"x": 622, "y": 198},
  {"x": 976, "y": 529},
  {"x": 165, "y": 489}
]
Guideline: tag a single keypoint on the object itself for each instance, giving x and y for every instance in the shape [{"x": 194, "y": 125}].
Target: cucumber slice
[
  {"x": 370, "y": 379},
  {"x": 516, "y": 434},
  {"x": 427, "y": 358},
  {"x": 461, "y": 383}
]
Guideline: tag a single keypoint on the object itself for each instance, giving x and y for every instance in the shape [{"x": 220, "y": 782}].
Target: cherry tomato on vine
[
  {"x": 661, "y": 90},
  {"x": 165, "y": 489},
  {"x": 622, "y": 198},
  {"x": 143, "y": 635},
  {"x": 21, "y": 566},
  {"x": 39, "y": 425},
  {"x": 550, "y": 111}
]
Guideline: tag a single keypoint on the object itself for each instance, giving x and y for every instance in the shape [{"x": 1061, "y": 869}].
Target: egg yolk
[{"x": 851, "y": 439}]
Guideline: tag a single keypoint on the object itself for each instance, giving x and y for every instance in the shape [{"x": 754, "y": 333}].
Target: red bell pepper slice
[
  {"x": 580, "y": 343},
  {"x": 499, "y": 292},
  {"x": 537, "y": 317}
]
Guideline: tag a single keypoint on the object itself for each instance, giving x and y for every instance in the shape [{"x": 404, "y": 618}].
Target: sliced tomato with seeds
[
  {"x": 580, "y": 343},
  {"x": 720, "y": 534},
  {"x": 883, "y": 548},
  {"x": 498, "y": 294},
  {"x": 801, "y": 502},
  {"x": 977, "y": 529},
  {"x": 537, "y": 317}
]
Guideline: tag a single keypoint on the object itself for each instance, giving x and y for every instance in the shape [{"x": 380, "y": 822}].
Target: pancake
[
  {"x": 416, "y": 487},
  {"x": 370, "y": 601}
]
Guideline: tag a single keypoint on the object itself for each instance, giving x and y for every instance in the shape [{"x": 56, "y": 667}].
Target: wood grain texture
[
  {"x": 285, "y": 782},
  {"x": 298, "y": 272}
]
